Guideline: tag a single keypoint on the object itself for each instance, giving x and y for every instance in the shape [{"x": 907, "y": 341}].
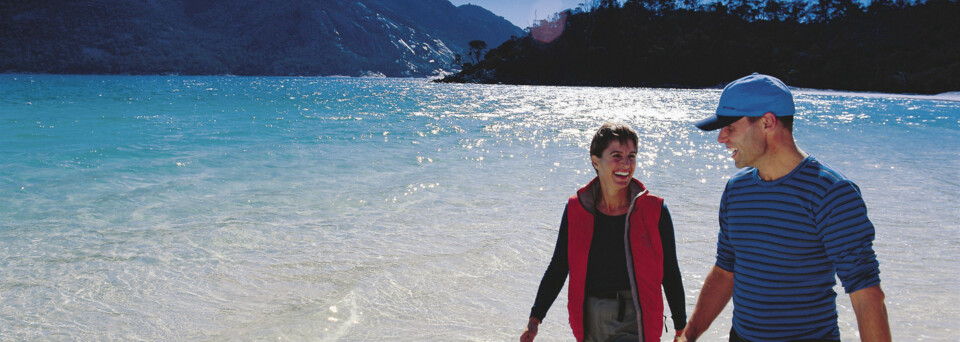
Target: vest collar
[{"x": 590, "y": 194}]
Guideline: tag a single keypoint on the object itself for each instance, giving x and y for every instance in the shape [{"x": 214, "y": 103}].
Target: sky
[{"x": 523, "y": 12}]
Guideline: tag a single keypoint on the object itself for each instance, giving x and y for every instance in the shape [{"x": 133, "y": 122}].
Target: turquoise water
[{"x": 196, "y": 208}]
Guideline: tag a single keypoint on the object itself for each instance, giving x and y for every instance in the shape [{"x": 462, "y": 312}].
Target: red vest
[{"x": 644, "y": 258}]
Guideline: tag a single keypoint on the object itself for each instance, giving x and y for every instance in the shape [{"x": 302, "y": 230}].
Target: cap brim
[{"x": 716, "y": 122}]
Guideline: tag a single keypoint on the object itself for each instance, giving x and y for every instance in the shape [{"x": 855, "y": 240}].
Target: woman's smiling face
[{"x": 616, "y": 164}]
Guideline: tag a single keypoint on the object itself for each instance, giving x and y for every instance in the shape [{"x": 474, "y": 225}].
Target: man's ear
[{"x": 769, "y": 120}]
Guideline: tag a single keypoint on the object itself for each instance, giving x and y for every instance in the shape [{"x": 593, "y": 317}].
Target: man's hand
[
  {"x": 531, "y": 330},
  {"x": 714, "y": 296}
]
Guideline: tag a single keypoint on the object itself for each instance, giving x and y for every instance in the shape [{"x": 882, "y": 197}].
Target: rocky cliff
[{"x": 243, "y": 37}]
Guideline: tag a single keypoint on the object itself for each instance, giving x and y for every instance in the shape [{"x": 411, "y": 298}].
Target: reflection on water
[{"x": 145, "y": 208}]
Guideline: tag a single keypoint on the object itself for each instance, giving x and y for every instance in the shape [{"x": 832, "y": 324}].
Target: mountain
[{"x": 408, "y": 38}]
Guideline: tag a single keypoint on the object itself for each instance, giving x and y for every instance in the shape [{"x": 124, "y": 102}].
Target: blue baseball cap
[{"x": 753, "y": 95}]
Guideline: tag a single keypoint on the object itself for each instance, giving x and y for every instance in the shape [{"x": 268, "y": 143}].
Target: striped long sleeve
[{"x": 786, "y": 241}]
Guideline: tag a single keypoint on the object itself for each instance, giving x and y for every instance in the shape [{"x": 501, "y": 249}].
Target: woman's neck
[{"x": 614, "y": 204}]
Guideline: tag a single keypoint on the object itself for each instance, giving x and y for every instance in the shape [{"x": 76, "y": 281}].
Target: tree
[
  {"x": 830, "y": 44},
  {"x": 476, "y": 49},
  {"x": 827, "y": 10},
  {"x": 605, "y": 4},
  {"x": 745, "y": 9},
  {"x": 458, "y": 60}
]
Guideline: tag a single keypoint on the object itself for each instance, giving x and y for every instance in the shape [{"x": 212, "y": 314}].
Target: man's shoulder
[
  {"x": 743, "y": 178},
  {"x": 823, "y": 173},
  {"x": 744, "y": 174}
]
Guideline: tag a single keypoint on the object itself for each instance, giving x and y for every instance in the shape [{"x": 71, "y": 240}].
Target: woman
[{"x": 616, "y": 242}]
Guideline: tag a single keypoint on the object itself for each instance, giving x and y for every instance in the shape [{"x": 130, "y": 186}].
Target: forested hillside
[{"x": 831, "y": 44}]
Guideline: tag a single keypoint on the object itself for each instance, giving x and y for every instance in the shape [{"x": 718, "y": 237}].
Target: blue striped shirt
[{"x": 786, "y": 241}]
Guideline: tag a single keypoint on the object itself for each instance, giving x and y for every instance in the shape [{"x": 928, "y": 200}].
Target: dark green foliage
[
  {"x": 831, "y": 44},
  {"x": 476, "y": 48}
]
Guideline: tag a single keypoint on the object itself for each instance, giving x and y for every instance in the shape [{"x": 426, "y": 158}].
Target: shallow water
[{"x": 218, "y": 208}]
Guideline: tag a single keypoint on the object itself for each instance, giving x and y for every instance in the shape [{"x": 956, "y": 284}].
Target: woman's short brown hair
[{"x": 610, "y": 131}]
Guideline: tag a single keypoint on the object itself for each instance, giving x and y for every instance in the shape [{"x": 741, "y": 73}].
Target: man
[{"x": 788, "y": 225}]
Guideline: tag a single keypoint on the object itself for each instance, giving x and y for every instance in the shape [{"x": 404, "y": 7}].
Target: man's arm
[
  {"x": 871, "y": 314},
  {"x": 714, "y": 296}
]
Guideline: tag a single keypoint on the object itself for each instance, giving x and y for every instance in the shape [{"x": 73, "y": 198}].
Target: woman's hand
[
  {"x": 531, "y": 330},
  {"x": 679, "y": 337}
]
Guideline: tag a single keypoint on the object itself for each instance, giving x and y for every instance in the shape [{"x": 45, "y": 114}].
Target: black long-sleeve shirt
[{"x": 607, "y": 268}]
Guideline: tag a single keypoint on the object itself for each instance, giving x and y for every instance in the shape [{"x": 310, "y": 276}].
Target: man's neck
[{"x": 784, "y": 157}]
